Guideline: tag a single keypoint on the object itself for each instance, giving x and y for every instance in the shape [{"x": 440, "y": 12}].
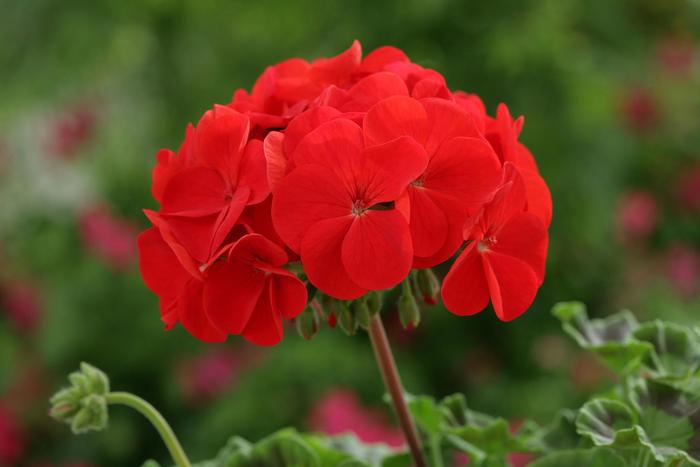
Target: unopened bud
[
  {"x": 429, "y": 285},
  {"x": 363, "y": 315},
  {"x": 346, "y": 318},
  {"x": 374, "y": 301},
  {"x": 307, "y": 323},
  {"x": 409, "y": 313},
  {"x": 82, "y": 405}
]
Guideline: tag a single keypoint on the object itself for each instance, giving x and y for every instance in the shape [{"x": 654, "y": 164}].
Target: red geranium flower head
[
  {"x": 504, "y": 259},
  {"x": 337, "y": 208}
]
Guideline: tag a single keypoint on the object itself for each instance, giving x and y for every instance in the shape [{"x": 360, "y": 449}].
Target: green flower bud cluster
[{"x": 82, "y": 405}]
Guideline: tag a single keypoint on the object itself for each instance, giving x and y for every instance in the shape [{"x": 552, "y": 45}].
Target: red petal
[
  {"x": 377, "y": 250},
  {"x": 508, "y": 201},
  {"x": 160, "y": 268},
  {"x": 265, "y": 325},
  {"x": 428, "y": 223},
  {"x": 221, "y": 136},
  {"x": 304, "y": 124},
  {"x": 336, "y": 144},
  {"x": 194, "y": 192},
  {"x": 193, "y": 235},
  {"x": 321, "y": 253},
  {"x": 377, "y": 59},
  {"x": 373, "y": 89},
  {"x": 524, "y": 237},
  {"x": 231, "y": 292},
  {"x": 446, "y": 120},
  {"x": 180, "y": 252},
  {"x": 430, "y": 87},
  {"x": 288, "y": 295},
  {"x": 466, "y": 169},
  {"x": 228, "y": 219},
  {"x": 389, "y": 168},
  {"x": 193, "y": 317},
  {"x": 310, "y": 193},
  {"x": 456, "y": 216},
  {"x": 275, "y": 158},
  {"x": 512, "y": 284},
  {"x": 252, "y": 172},
  {"x": 539, "y": 199},
  {"x": 254, "y": 248},
  {"x": 337, "y": 70},
  {"x": 465, "y": 290},
  {"x": 395, "y": 117}
]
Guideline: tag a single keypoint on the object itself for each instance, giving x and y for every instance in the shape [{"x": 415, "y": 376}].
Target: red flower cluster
[{"x": 359, "y": 168}]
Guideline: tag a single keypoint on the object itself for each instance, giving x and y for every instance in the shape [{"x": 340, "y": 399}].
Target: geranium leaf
[
  {"x": 610, "y": 338},
  {"x": 676, "y": 349}
]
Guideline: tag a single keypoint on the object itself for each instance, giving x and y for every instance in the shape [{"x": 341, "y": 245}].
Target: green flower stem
[
  {"x": 392, "y": 381},
  {"x": 160, "y": 424},
  {"x": 436, "y": 451}
]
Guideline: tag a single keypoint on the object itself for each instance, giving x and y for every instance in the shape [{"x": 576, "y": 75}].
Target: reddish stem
[{"x": 392, "y": 381}]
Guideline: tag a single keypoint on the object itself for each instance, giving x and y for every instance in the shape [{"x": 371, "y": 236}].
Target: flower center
[
  {"x": 486, "y": 243},
  {"x": 358, "y": 207}
]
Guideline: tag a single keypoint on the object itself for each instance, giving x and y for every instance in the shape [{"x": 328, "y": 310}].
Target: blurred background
[{"x": 89, "y": 90}]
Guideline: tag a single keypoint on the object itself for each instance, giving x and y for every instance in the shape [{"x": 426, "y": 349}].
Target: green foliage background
[{"x": 147, "y": 68}]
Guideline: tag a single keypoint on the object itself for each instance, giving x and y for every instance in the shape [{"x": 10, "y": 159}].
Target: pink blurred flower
[
  {"x": 637, "y": 214},
  {"x": 683, "y": 269},
  {"x": 687, "y": 188},
  {"x": 675, "y": 55},
  {"x": 110, "y": 238},
  {"x": 21, "y": 303},
  {"x": 208, "y": 375},
  {"x": 339, "y": 411},
  {"x": 639, "y": 111},
  {"x": 12, "y": 443},
  {"x": 71, "y": 130}
]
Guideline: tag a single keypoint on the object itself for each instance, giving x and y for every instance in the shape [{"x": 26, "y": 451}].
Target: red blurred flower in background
[
  {"x": 338, "y": 411},
  {"x": 12, "y": 442},
  {"x": 110, "y": 238},
  {"x": 22, "y": 304},
  {"x": 637, "y": 215},
  {"x": 73, "y": 128},
  {"x": 687, "y": 188},
  {"x": 639, "y": 110},
  {"x": 683, "y": 269}
]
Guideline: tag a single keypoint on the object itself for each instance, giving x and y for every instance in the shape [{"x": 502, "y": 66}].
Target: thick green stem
[
  {"x": 160, "y": 424},
  {"x": 436, "y": 452},
  {"x": 392, "y": 381}
]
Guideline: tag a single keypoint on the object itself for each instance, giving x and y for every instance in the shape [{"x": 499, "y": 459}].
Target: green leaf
[
  {"x": 676, "y": 349},
  {"x": 398, "y": 460},
  {"x": 426, "y": 413},
  {"x": 597, "y": 457},
  {"x": 600, "y": 420},
  {"x": 610, "y": 338}
]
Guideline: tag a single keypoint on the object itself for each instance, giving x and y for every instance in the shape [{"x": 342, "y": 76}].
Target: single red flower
[
  {"x": 222, "y": 173},
  {"x": 462, "y": 171},
  {"x": 243, "y": 290},
  {"x": 504, "y": 259},
  {"x": 336, "y": 208}
]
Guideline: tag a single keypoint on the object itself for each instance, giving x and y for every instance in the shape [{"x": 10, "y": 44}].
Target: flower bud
[
  {"x": 346, "y": 318},
  {"x": 428, "y": 285},
  {"x": 362, "y": 313},
  {"x": 409, "y": 313},
  {"x": 374, "y": 301},
  {"x": 82, "y": 405},
  {"x": 307, "y": 323}
]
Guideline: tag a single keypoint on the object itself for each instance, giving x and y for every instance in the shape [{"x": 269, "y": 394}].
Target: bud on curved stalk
[
  {"x": 409, "y": 313},
  {"x": 83, "y": 406},
  {"x": 307, "y": 323},
  {"x": 362, "y": 313},
  {"x": 428, "y": 285}
]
